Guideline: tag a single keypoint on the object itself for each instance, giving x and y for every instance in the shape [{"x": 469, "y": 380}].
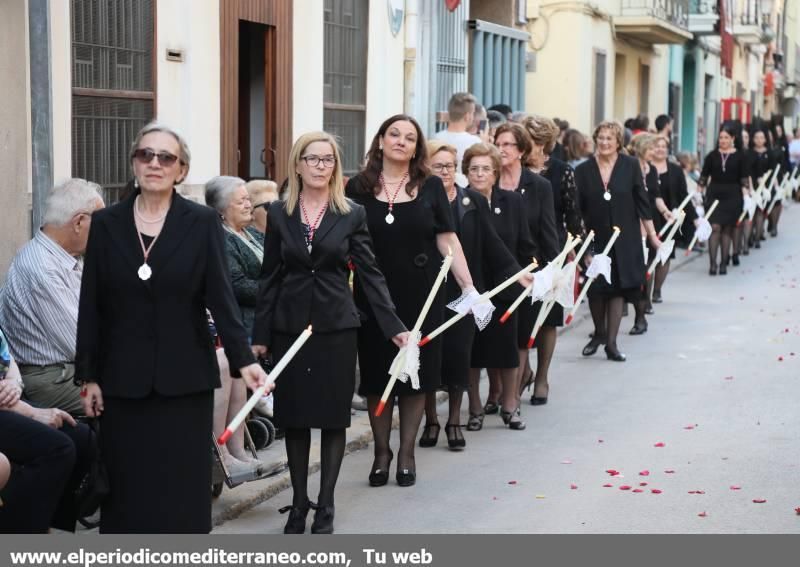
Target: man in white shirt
[
  {"x": 461, "y": 112},
  {"x": 794, "y": 148},
  {"x": 39, "y": 301}
]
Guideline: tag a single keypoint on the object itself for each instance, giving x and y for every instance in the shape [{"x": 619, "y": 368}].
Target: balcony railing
[
  {"x": 675, "y": 12},
  {"x": 750, "y": 14},
  {"x": 703, "y": 7}
]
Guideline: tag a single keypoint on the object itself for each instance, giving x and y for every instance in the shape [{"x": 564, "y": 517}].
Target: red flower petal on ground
[
  {"x": 512, "y": 482},
  {"x": 669, "y": 471},
  {"x": 608, "y": 486},
  {"x": 735, "y": 487},
  {"x": 599, "y": 440},
  {"x": 728, "y": 377},
  {"x": 702, "y": 514},
  {"x": 642, "y": 484},
  {"x": 612, "y": 472},
  {"x": 655, "y": 491},
  {"x": 624, "y": 487},
  {"x": 660, "y": 444},
  {"x": 780, "y": 359},
  {"x": 797, "y": 510},
  {"x": 689, "y": 427},
  {"x": 644, "y": 473},
  {"x": 573, "y": 486},
  {"x": 696, "y": 492},
  {"x": 759, "y": 500},
  {"x": 637, "y": 490}
]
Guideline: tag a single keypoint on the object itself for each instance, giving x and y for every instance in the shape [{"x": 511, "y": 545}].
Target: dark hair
[
  {"x": 641, "y": 122},
  {"x": 563, "y": 125},
  {"x": 662, "y": 121},
  {"x": 733, "y": 129},
  {"x": 629, "y": 124},
  {"x": 503, "y": 109},
  {"x": 521, "y": 137},
  {"x": 417, "y": 168},
  {"x": 753, "y": 136}
]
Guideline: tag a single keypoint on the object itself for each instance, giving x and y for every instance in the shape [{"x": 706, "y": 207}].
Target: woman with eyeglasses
[
  {"x": 411, "y": 225},
  {"x": 495, "y": 348},
  {"x": 515, "y": 146},
  {"x": 485, "y": 254},
  {"x": 145, "y": 360},
  {"x": 305, "y": 281}
]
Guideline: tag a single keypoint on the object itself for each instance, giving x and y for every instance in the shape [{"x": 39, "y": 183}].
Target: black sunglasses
[{"x": 146, "y": 155}]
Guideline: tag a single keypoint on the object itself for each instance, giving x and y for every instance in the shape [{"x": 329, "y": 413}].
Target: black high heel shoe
[
  {"x": 430, "y": 435},
  {"x": 639, "y": 328},
  {"x": 296, "y": 524},
  {"x": 455, "y": 441},
  {"x": 735, "y": 259},
  {"x": 323, "y": 520},
  {"x": 614, "y": 354},
  {"x": 378, "y": 476},
  {"x": 592, "y": 347},
  {"x": 406, "y": 477},
  {"x": 539, "y": 400},
  {"x": 526, "y": 383},
  {"x": 712, "y": 271},
  {"x": 723, "y": 270}
]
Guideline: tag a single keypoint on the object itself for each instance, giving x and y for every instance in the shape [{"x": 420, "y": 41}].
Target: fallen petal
[
  {"x": 797, "y": 510},
  {"x": 689, "y": 427},
  {"x": 566, "y": 462},
  {"x": 644, "y": 473},
  {"x": 659, "y": 444},
  {"x": 735, "y": 487},
  {"x": 608, "y": 485},
  {"x": 669, "y": 471},
  {"x": 512, "y": 482},
  {"x": 599, "y": 440},
  {"x": 759, "y": 500},
  {"x": 728, "y": 377},
  {"x": 642, "y": 484},
  {"x": 655, "y": 491},
  {"x": 573, "y": 486},
  {"x": 624, "y": 487},
  {"x": 702, "y": 514},
  {"x": 637, "y": 490}
]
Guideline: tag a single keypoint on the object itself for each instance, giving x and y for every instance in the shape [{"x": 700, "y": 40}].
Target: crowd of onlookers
[{"x": 45, "y": 448}]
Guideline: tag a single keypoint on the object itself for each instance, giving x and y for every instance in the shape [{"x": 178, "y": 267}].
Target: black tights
[
  {"x": 660, "y": 276},
  {"x": 455, "y": 396},
  {"x": 298, "y": 445},
  {"x": 411, "y": 409},
  {"x": 721, "y": 237},
  {"x": 607, "y": 316}
]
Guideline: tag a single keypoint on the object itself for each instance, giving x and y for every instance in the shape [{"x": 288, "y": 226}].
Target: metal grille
[
  {"x": 112, "y": 87},
  {"x": 498, "y": 64},
  {"x": 450, "y": 73},
  {"x": 345, "y": 84}
]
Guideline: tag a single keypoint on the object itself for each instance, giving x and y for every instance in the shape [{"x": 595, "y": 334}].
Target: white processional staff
[
  {"x": 589, "y": 282},
  {"x": 484, "y": 297},
  {"x": 248, "y": 407},
  {"x": 675, "y": 214},
  {"x": 705, "y": 217},
  {"x": 669, "y": 239},
  {"x": 572, "y": 242},
  {"x": 778, "y": 193},
  {"x": 399, "y": 363},
  {"x": 761, "y": 183}
]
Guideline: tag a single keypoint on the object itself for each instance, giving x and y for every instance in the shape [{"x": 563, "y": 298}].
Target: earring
[{"x": 135, "y": 182}]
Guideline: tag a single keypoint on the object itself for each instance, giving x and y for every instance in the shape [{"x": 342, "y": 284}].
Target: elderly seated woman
[
  {"x": 245, "y": 252},
  {"x": 262, "y": 192}
]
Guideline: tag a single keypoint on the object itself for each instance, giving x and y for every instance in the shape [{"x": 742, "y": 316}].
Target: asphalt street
[{"x": 702, "y": 419}]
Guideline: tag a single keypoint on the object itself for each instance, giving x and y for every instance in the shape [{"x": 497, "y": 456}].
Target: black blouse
[
  {"x": 732, "y": 171},
  {"x": 562, "y": 179},
  {"x": 760, "y": 163}
]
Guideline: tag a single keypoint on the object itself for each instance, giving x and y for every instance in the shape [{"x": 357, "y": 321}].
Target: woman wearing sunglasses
[{"x": 145, "y": 359}]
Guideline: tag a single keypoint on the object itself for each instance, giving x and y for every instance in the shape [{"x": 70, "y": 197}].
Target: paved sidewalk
[{"x": 233, "y": 502}]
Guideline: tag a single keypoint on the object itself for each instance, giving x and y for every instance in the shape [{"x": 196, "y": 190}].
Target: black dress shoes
[
  {"x": 296, "y": 524},
  {"x": 614, "y": 354},
  {"x": 379, "y": 476},
  {"x": 657, "y": 297},
  {"x": 592, "y": 347},
  {"x": 735, "y": 259},
  {"x": 406, "y": 477},
  {"x": 638, "y": 329},
  {"x": 323, "y": 520}
]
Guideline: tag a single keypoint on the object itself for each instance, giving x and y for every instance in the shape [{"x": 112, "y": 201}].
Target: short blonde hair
[
  {"x": 640, "y": 143},
  {"x": 337, "y": 202},
  {"x": 542, "y": 130},
  {"x": 615, "y": 128},
  {"x": 480, "y": 150},
  {"x": 436, "y": 146},
  {"x": 262, "y": 191}
]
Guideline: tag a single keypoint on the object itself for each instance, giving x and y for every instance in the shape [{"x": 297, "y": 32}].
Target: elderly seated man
[
  {"x": 49, "y": 454},
  {"x": 39, "y": 301}
]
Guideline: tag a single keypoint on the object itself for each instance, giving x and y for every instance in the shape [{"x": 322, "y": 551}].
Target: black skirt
[
  {"x": 527, "y": 319},
  {"x": 456, "y": 353},
  {"x": 157, "y": 452},
  {"x": 496, "y": 345},
  {"x": 316, "y": 388},
  {"x": 731, "y": 203}
]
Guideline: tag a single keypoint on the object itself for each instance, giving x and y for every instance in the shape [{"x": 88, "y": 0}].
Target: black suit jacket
[
  {"x": 299, "y": 288},
  {"x": 136, "y": 337},
  {"x": 537, "y": 196}
]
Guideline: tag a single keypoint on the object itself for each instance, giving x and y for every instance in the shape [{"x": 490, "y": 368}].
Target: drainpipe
[
  {"x": 410, "y": 61},
  {"x": 41, "y": 108}
]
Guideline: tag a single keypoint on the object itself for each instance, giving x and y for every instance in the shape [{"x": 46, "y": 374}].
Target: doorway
[{"x": 257, "y": 136}]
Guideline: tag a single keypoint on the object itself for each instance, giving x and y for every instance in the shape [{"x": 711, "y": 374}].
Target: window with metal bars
[
  {"x": 113, "y": 87},
  {"x": 345, "y": 84}
]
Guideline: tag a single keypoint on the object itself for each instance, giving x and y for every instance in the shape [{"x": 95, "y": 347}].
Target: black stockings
[
  {"x": 721, "y": 238},
  {"x": 298, "y": 445},
  {"x": 607, "y": 317},
  {"x": 455, "y": 398},
  {"x": 545, "y": 347},
  {"x": 411, "y": 409}
]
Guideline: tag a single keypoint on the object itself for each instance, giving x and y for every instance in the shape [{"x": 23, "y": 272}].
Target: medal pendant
[
  {"x": 389, "y": 218},
  {"x": 145, "y": 272},
  {"x": 607, "y": 196}
]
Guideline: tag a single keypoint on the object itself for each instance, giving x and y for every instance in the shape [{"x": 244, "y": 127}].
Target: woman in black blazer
[
  {"x": 145, "y": 359},
  {"x": 310, "y": 239},
  {"x": 485, "y": 255},
  {"x": 611, "y": 193}
]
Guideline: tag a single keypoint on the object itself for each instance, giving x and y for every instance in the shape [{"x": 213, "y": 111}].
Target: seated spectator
[
  {"x": 262, "y": 192},
  {"x": 39, "y": 302},
  {"x": 49, "y": 454},
  {"x": 245, "y": 253}
]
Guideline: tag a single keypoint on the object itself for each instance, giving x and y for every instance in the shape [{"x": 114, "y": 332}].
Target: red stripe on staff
[
  {"x": 379, "y": 409},
  {"x": 569, "y": 320},
  {"x": 425, "y": 340},
  {"x": 505, "y": 316},
  {"x": 531, "y": 341},
  {"x": 224, "y": 437}
]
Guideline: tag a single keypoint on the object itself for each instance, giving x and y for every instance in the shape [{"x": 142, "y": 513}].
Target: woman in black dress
[
  {"x": 305, "y": 281},
  {"x": 409, "y": 218},
  {"x": 488, "y": 260},
  {"x": 154, "y": 263},
  {"x": 515, "y": 146},
  {"x": 760, "y": 161},
  {"x": 495, "y": 348},
  {"x": 611, "y": 193},
  {"x": 672, "y": 185},
  {"x": 780, "y": 152},
  {"x": 642, "y": 148},
  {"x": 725, "y": 177},
  {"x": 544, "y": 133}
]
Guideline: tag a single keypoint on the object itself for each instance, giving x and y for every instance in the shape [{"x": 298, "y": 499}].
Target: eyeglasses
[
  {"x": 146, "y": 155},
  {"x": 478, "y": 169},
  {"x": 507, "y": 145},
  {"x": 313, "y": 160},
  {"x": 440, "y": 167}
]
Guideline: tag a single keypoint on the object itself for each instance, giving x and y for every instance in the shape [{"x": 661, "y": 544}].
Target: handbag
[{"x": 94, "y": 487}]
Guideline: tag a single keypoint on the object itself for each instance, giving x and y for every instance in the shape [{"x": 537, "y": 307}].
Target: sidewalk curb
[{"x": 254, "y": 493}]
